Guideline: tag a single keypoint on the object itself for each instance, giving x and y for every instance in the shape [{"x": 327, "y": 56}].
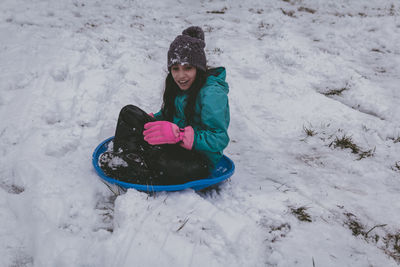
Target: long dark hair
[{"x": 172, "y": 90}]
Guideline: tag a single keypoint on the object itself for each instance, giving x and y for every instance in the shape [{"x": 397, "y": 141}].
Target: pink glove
[
  {"x": 165, "y": 132},
  {"x": 162, "y": 132}
]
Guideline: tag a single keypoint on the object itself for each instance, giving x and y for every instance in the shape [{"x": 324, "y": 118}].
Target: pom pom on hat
[
  {"x": 195, "y": 32},
  {"x": 188, "y": 48}
]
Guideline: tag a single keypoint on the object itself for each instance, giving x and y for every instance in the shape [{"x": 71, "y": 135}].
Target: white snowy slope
[{"x": 329, "y": 68}]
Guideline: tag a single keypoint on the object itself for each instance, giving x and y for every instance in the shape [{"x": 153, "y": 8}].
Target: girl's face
[{"x": 184, "y": 75}]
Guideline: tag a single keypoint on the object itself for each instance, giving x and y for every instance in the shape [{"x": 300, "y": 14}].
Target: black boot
[{"x": 127, "y": 167}]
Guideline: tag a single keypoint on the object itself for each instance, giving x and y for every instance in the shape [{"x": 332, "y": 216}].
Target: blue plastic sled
[{"x": 223, "y": 170}]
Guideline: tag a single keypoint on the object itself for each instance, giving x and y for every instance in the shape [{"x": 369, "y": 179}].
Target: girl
[{"x": 186, "y": 138}]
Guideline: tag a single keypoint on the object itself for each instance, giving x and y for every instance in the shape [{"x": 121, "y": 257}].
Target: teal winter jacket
[{"x": 211, "y": 119}]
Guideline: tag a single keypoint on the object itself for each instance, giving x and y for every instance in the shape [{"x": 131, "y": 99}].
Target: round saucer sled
[{"x": 222, "y": 171}]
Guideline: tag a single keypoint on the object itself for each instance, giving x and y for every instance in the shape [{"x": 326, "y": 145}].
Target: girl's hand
[{"x": 162, "y": 132}]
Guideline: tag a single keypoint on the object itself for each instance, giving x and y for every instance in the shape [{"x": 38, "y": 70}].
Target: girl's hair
[{"x": 172, "y": 90}]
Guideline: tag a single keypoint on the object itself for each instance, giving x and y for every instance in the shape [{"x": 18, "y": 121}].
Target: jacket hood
[{"x": 217, "y": 76}]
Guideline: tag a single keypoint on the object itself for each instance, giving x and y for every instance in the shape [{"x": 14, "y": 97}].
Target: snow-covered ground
[{"x": 303, "y": 74}]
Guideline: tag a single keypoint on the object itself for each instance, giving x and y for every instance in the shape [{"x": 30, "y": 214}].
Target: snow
[{"x": 68, "y": 67}]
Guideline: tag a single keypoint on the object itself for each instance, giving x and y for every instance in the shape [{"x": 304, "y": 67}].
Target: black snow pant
[{"x": 151, "y": 164}]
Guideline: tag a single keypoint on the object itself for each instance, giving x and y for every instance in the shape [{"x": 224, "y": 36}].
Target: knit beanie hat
[{"x": 188, "y": 48}]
